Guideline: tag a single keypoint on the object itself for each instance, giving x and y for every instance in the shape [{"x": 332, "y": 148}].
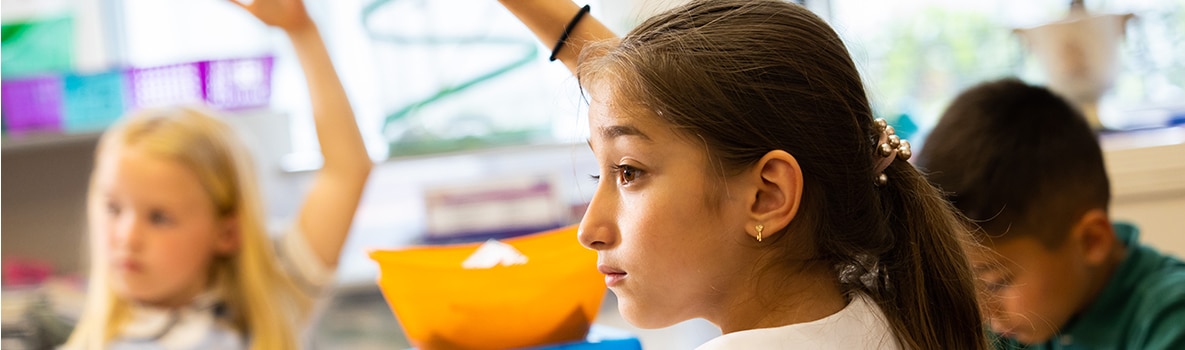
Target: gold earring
[{"x": 759, "y": 228}]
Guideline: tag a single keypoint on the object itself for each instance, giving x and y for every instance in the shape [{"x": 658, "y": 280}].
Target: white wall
[{"x": 1147, "y": 171}]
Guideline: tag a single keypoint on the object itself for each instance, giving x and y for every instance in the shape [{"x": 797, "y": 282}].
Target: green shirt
[{"x": 1142, "y": 306}]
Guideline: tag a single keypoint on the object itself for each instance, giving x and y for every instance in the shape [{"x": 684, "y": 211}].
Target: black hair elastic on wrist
[{"x": 568, "y": 30}]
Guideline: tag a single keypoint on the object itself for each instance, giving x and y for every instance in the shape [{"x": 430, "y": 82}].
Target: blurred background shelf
[{"x": 36, "y": 142}]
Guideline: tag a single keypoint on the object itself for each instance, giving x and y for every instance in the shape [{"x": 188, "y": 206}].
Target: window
[{"x": 917, "y": 55}]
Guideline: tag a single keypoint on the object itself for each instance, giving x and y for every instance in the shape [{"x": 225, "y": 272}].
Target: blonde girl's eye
[{"x": 159, "y": 218}]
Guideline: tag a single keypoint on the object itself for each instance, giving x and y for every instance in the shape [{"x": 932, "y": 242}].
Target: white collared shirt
[{"x": 859, "y": 325}]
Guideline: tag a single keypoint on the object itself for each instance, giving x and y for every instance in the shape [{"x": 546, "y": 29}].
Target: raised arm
[
  {"x": 328, "y": 209},
  {"x": 547, "y": 19}
]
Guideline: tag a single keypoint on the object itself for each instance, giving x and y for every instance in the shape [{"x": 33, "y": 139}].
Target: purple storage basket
[
  {"x": 32, "y": 104},
  {"x": 165, "y": 85},
  {"x": 235, "y": 84}
]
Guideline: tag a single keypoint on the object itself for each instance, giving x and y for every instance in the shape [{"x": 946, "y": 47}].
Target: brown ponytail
[{"x": 925, "y": 272}]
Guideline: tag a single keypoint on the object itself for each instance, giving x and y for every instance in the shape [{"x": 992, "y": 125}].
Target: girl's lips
[
  {"x": 128, "y": 265},
  {"x": 612, "y": 280},
  {"x": 613, "y": 276},
  {"x": 606, "y": 269}
]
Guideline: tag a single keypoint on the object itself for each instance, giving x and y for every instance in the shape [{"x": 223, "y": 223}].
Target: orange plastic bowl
[{"x": 553, "y": 298}]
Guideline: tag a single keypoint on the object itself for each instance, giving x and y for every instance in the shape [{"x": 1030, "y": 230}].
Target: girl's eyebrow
[{"x": 614, "y": 131}]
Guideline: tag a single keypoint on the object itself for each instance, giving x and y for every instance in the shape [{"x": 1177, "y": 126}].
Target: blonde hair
[{"x": 265, "y": 304}]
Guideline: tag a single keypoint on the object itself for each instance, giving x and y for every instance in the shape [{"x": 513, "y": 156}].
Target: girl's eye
[
  {"x": 627, "y": 174},
  {"x": 158, "y": 217},
  {"x": 112, "y": 209}
]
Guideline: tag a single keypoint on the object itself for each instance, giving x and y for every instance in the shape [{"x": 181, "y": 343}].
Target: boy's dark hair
[{"x": 1018, "y": 160}]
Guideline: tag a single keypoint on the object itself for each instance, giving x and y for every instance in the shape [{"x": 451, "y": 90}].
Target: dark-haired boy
[{"x": 1024, "y": 164}]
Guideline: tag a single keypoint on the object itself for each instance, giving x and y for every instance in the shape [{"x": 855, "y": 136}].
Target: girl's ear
[
  {"x": 777, "y": 179},
  {"x": 229, "y": 237}
]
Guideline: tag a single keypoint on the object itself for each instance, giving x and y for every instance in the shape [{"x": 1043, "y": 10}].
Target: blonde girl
[{"x": 180, "y": 255}]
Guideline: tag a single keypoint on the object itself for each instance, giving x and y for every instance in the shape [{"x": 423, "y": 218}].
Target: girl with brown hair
[{"x": 744, "y": 181}]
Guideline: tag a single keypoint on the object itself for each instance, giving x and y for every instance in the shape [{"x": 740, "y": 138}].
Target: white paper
[{"x": 492, "y": 253}]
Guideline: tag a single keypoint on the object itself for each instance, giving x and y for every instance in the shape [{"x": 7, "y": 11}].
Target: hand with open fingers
[{"x": 288, "y": 15}]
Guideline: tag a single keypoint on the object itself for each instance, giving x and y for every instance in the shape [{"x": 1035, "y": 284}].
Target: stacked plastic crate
[{"x": 74, "y": 103}]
